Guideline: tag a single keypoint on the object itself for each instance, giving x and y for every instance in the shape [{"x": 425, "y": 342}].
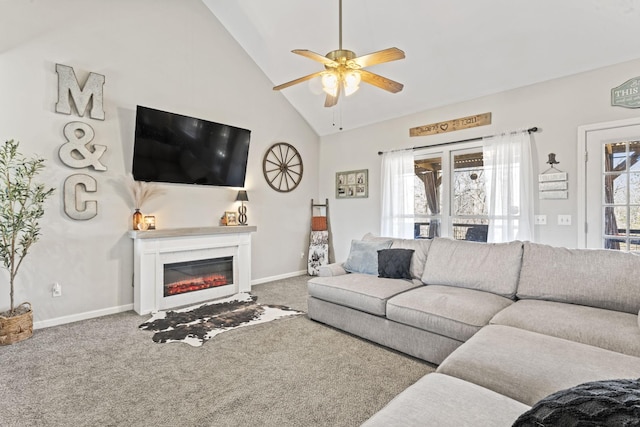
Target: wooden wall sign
[
  {"x": 627, "y": 94},
  {"x": 452, "y": 125}
]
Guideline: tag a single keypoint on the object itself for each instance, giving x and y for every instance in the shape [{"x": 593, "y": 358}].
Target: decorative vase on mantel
[
  {"x": 141, "y": 191},
  {"x": 138, "y": 220}
]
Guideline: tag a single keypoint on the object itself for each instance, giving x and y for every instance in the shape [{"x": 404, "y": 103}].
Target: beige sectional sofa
[{"x": 508, "y": 324}]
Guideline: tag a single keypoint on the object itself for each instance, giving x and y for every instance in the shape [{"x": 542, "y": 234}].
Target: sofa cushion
[
  {"x": 334, "y": 269},
  {"x": 588, "y": 325},
  {"x": 420, "y": 249},
  {"x": 503, "y": 359},
  {"x": 598, "y": 278},
  {"x": 441, "y": 400},
  {"x": 597, "y": 403},
  {"x": 363, "y": 256},
  {"x": 457, "y": 313},
  {"x": 359, "y": 291},
  {"x": 395, "y": 263},
  {"x": 489, "y": 267}
]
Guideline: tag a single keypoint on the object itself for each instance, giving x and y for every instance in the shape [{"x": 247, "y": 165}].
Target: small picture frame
[
  {"x": 150, "y": 220},
  {"x": 231, "y": 218},
  {"x": 352, "y": 184}
]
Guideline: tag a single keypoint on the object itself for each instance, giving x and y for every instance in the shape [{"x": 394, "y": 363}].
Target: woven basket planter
[{"x": 16, "y": 328}]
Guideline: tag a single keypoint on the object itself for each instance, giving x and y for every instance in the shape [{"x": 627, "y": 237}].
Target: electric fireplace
[
  {"x": 186, "y": 266},
  {"x": 196, "y": 275}
]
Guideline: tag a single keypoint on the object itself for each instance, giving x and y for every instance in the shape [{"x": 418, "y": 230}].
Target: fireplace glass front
[{"x": 190, "y": 276}]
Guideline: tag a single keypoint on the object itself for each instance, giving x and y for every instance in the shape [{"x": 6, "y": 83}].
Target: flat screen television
[{"x": 179, "y": 149}]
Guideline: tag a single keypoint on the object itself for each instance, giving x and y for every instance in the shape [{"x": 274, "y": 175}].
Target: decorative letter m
[{"x": 68, "y": 87}]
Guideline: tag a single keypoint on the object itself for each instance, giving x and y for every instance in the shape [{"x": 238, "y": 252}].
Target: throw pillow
[
  {"x": 395, "y": 263},
  {"x": 598, "y": 403},
  {"x": 363, "y": 256}
]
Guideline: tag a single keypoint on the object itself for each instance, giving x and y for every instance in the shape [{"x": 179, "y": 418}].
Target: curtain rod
[{"x": 530, "y": 130}]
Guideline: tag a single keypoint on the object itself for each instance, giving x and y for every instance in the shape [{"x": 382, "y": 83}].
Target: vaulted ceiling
[{"x": 456, "y": 50}]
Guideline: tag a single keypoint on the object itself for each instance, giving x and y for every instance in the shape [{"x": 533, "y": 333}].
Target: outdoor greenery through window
[{"x": 451, "y": 201}]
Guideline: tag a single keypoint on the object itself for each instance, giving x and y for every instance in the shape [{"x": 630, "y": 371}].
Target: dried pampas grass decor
[{"x": 142, "y": 191}]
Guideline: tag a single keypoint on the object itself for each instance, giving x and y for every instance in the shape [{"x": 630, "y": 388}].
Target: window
[
  {"x": 470, "y": 209},
  {"x": 428, "y": 196},
  {"x": 621, "y": 204},
  {"x": 450, "y": 194}
]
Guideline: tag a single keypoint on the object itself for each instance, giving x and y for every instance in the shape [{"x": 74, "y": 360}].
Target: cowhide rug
[{"x": 197, "y": 324}]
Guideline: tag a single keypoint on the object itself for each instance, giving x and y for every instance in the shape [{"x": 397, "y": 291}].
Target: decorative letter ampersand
[{"x": 79, "y": 135}]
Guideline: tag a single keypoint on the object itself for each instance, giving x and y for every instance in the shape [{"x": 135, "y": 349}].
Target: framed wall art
[{"x": 352, "y": 184}]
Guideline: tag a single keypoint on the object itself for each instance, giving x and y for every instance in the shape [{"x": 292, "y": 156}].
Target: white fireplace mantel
[{"x": 152, "y": 248}]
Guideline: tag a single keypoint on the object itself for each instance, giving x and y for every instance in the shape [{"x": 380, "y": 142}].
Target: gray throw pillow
[
  {"x": 363, "y": 257},
  {"x": 395, "y": 263}
]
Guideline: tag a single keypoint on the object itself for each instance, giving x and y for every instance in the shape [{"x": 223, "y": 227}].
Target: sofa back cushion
[
  {"x": 420, "y": 249},
  {"x": 489, "y": 267},
  {"x": 592, "y": 277}
]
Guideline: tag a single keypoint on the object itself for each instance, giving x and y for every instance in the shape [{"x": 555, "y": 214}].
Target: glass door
[{"x": 612, "y": 186}]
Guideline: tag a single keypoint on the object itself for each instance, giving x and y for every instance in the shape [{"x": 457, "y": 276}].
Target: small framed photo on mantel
[
  {"x": 231, "y": 218},
  {"x": 352, "y": 184}
]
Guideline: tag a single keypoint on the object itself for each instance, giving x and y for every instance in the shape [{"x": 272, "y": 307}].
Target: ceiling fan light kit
[
  {"x": 331, "y": 81},
  {"x": 343, "y": 70}
]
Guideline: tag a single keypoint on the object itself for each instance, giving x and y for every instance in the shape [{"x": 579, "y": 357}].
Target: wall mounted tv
[{"x": 173, "y": 148}]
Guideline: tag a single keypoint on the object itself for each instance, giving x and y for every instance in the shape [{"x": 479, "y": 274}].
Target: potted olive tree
[{"x": 21, "y": 207}]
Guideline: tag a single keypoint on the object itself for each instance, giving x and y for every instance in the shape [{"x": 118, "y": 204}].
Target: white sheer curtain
[
  {"x": 509, "y": 178},
  {"x": 397, "y": 194}
]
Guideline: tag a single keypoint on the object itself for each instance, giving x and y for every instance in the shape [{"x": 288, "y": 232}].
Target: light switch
[
  {"x": 541, "y": 220},
  {"x": 564, "y": 219}
]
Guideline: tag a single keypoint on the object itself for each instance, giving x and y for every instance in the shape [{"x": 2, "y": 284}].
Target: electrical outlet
[
  {"x": 56, "y": 290},
  {"x": 564, "y": 219},
  {"x": 541, "y": 220},
  {"x": 301, "y": 255}
]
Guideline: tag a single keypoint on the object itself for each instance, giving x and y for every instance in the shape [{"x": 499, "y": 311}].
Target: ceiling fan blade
[
  {"x": 381, "y": 82},
  {"x": 296, "y": 81},
  {"x": 387, "y": 55},
  {"x": 330, "y": 101},
  {"x": 316, "y": 57}
]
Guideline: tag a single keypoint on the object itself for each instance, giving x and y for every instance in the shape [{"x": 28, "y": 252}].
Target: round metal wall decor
[{"x": 282, "y": 167}]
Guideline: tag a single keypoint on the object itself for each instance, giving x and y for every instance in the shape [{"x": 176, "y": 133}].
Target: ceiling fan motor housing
[{"x": 341, "y": 56}]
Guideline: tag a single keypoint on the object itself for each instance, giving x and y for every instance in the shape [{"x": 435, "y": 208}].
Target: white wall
[
  {"x": 557, "y": 107},
  {"x": 171, "y": 55}
]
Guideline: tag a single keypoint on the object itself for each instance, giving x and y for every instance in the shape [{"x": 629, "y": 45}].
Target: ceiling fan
[{"x": 344, "y": 70}]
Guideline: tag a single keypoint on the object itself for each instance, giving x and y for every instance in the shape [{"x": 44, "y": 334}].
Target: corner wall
[
  {"x": 172, "y": 55},
  {"x": 557, "y": 107}
]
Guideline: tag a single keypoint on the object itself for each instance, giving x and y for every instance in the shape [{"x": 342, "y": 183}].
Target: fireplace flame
[{"x": 195, "y": 284}]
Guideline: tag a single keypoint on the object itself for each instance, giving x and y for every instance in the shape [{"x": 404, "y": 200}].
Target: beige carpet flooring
[{"x": 289, "y": 372}]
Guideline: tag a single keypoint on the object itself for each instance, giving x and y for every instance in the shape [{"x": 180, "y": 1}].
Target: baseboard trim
[
  {"x": 278, "y": 277},
  {"x": 128, "y": 307},
  {"x": 81, "y": 316}
]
